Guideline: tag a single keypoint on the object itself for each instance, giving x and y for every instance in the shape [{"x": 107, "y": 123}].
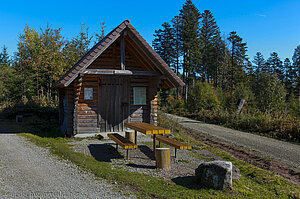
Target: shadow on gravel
[
  {"x": 147, "y": 151},
  {"x": 104, "y": 152},
  {"x": 141, "y": 166},
  {"x": 187, "y": 181}
]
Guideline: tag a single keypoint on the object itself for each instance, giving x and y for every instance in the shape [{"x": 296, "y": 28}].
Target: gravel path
[
  {"x": 282, "y": 151},
  {"x": 141, "y": 160},
  {"x": 28, "y": 171}
]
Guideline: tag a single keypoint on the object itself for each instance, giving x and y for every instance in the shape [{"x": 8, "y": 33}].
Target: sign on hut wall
[{"x": 88, "y": 93}]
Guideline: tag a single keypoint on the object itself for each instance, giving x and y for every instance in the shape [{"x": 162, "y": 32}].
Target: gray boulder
[{"x": 215, "y": 174}]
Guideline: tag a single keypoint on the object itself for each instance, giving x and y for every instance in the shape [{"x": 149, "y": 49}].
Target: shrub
[{"x": 202, "y": 96}]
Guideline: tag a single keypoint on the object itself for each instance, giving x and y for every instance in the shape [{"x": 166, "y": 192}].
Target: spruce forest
[
  {"x": 214, "y": 66},
  {"x": 219, "y": 75}
]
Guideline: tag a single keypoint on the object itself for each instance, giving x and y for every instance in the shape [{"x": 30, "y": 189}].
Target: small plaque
[{"x": 88, "y": 93}]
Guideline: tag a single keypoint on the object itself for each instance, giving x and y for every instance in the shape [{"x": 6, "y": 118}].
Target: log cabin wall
[{"x": 88, "y": 108}]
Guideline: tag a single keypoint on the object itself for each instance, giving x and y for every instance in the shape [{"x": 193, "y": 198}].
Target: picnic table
[{"x": 147, "y": 129}]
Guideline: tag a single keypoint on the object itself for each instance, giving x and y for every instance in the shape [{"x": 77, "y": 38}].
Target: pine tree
[
  {"x": 238, "y": 59},
  {"x": 164, "y": 44},
  {"x": 5, "y": 73},
  {"x": 290, "y": 76},
  {"x": 275, "y": 65},
  {"x": 176, "y": 22},
  {"x": 260, "y": 63},
  {"x": 4, "y": 58},
  {"x": 211, "y": 47},
  {"x": 296, "y": 64},
  {"x": 189, "y": 34}
]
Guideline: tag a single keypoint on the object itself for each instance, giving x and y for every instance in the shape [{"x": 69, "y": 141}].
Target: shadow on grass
[
  {"x": 104, "y": 152},
  {"x": 188, "y": 182}
]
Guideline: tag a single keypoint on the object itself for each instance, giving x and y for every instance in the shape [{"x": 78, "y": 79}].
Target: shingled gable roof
[{"x": 101, "y": 46}]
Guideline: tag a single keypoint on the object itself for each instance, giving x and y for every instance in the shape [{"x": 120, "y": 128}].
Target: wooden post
[
  {"x": 154, "y": 143},
  {"x": 130, "y": 135},
  {"x": 122, "y": 54},
  {"x": 162, "y": 156}
]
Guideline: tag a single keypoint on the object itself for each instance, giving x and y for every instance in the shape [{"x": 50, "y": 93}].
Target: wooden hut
[{"x": 114, "y": 83}]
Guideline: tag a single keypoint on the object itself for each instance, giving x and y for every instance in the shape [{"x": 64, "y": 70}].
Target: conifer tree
[
  {"x": 176, "y": 22},
  {"x": 211, "y": 45},
  {"x": 189, "y": 34},
  {"x": 290, "y": 76},
  {"x": 5, "y": 73},
  {"x": 275, "y": 65},
  {"x": 296, "y": 64},
  {"x": 260, "y": 63},
  {"x": 238, "y": 59},
  {"x": 164, "y": 44}
]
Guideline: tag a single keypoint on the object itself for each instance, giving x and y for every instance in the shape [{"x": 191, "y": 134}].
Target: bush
[
  {"x": 202, "y": 96},
  {"x": 30, "y": 109},
  {"x": 275, "y": 125}
]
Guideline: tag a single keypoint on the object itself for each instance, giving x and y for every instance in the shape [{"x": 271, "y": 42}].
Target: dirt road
[
  {"x": 28, "y": 171},
  {"x": 285, "y": 152}
]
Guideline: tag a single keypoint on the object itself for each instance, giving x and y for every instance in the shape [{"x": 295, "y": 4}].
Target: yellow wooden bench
[
  {"x": 123, "y": 142},
  {"x": 173, "y": 143}
]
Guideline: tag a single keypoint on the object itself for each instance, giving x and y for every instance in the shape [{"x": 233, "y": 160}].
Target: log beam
[{"x": 120, "y": 72}]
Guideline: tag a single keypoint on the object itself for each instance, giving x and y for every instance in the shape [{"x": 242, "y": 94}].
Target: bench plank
[
  {"x": 173, "y": 143},
  {"x": 123, "y": 142}
]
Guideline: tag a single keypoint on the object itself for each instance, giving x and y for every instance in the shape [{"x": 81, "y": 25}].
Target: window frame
[{"x": 134, "y": 95}]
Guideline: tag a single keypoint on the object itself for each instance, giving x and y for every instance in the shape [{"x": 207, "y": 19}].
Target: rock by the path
[{"x": 215, "y": 174}]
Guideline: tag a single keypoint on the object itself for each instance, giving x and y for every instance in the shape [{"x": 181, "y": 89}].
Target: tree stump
[
  {"x": 162, "y": 156},
  {"x": 130, "y": 135}
]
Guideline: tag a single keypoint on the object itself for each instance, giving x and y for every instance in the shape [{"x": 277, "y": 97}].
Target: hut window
[
  {"x": 88, "y": 93},
  {"x": 139, "y": 95}
]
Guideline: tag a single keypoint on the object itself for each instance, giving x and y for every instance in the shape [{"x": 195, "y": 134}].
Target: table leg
[
  {"x": 135, "y": 137},
  {"x": 154, "y": 143}
]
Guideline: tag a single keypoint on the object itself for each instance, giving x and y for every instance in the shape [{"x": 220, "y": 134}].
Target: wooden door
[{"x": 114, "y": 93}]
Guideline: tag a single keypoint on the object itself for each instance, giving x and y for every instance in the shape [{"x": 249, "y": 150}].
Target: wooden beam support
[
  {"x": 122, "y": 54},
  {"x": 120, "y": 72}
]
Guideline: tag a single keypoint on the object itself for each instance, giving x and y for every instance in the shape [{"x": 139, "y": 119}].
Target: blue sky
[{"x": 266, "y": 25}]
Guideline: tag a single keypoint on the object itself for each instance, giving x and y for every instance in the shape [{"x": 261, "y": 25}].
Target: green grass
[{"x": 254, "y": 183}]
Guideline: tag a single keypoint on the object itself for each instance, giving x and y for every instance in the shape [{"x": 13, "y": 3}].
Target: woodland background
[{"x": 215, "y": 68}]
